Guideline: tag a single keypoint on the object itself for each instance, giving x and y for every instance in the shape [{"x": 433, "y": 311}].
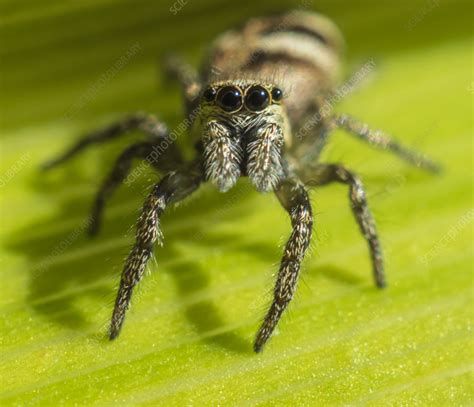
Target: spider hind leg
[
  {"x": 149, "y": 151},
  {"x": 188, "y": 78},
  {"x": 382, "y": 140},
  {"x": 141, "y": 121}
]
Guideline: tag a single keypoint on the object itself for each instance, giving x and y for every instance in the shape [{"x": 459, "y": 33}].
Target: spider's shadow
[{"x": 66, "y": 267}]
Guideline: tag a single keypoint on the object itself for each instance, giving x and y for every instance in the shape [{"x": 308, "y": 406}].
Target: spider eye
[
  {"x": 277, "y": 94},
  {"x": 229, "y": 98},
  {"x": 209, "y": 94},
  {"x": 257, "y": 98}
]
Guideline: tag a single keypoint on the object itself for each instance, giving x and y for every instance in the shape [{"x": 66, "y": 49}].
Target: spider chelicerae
[{"x": 261, "y": 108}]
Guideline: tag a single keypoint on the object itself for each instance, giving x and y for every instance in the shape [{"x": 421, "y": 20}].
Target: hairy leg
[
  {"x": 325, "y": 174},
  {"x": 383, "y": 141},
  {"x": 187, "y": 77},
  {"x": 172, "y": 188},
  {"x": 144, "y": 122},
  {"x": 160, "y": 155},
  {"x": 295, "y": 200}
]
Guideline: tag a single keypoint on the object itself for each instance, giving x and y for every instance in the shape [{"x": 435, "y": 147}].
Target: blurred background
[
  {"x": 54, "y": 51},
  {"x": 68, "y": 67}
]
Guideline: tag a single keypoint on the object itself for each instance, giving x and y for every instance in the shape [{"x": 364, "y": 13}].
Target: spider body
[{"x": 259, "y": 86}]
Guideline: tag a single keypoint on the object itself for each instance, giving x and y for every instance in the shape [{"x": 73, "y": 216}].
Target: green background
[{"x": 188, "y": 337}]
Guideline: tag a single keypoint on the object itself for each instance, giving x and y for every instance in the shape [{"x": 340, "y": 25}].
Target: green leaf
[{"x": 188, "y": 338}]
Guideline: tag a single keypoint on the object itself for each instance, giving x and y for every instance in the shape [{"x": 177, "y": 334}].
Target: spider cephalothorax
[
  {"x": 250, "y": 127},
  {"x": 243, "y": 126}
]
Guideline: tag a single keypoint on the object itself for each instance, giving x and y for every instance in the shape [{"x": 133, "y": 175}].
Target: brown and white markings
[{"x": 260, "y": 85}]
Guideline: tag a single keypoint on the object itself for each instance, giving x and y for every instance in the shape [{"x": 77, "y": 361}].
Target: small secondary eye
[
  {"x": 209, "y": 94},
  {"x": 257, "y": 98},
  {"x": 229, "y": 98},
  {"x": 277, "y": 94}
]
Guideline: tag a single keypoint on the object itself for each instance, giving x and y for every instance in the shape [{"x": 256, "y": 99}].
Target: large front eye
[
  {"x": 257, "y": 98},
  {"x": 229, "y": 98}
]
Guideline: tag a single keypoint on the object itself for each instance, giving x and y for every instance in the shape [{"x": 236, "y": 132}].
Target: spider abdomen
[{"x": 299, "y": 50}]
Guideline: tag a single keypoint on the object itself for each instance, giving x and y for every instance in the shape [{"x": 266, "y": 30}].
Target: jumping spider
[{"x": 245, "y": 124}]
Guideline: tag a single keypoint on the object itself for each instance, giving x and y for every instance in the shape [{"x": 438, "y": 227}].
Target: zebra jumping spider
[{"x": 245, "y": 123}]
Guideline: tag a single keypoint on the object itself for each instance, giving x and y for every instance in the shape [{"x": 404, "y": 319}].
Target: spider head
[{"x": 243, "y": 128}]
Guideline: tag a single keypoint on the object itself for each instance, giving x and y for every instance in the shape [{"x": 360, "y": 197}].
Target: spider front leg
[
  {"x": 294, "y": 198},
  {"x": 163, "y": 155},
  {"x": 144, "y": 122},
  {"x": 324, "y": 174},
  {"x": 172, "y": 188}
]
